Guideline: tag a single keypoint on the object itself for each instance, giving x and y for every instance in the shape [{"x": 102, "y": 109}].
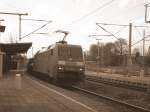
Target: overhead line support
[
  {"x": 19, "y": 14},
  {"x": 123, "y": 25}
]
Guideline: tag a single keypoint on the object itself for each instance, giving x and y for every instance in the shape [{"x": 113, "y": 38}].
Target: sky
[{"x": 79, "y": 17}]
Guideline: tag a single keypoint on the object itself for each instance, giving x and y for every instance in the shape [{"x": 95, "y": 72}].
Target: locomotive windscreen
[{"x": 70, "y": 51}]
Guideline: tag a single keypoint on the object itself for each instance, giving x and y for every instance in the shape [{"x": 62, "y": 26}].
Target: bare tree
[
  {"x": 109, "y": 53},
  {"x": 93, "y": 52},
  {"x": 121, "y": 45}
]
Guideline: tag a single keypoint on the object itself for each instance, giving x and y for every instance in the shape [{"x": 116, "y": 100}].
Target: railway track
[
  {"x": 119, "y": 83},
  {"x": 136, "y": 108}
]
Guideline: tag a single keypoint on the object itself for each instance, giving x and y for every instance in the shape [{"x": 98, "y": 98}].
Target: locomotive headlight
[
  {"x": 60, "y": 68},
  {"x": 81, "y": 69}
]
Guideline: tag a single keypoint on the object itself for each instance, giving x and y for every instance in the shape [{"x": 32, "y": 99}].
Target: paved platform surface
[
  {"x": 21, "y": 94},
  {"x": 119, "y": 76}
]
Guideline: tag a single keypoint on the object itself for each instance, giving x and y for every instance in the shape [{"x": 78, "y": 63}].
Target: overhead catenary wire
[
  {"x": 36, "y": 29},
  {"x": 35, "y": 20},
  {"x": 111, "y": 34},
  {"x": 97, "y": 9},
  {"x": 138, "y": 31},
  {"x": 140, "y": 40},
  {"x": 120, "y": 30},
  {"x": 92, "y": 12},
  {"x": 123, "y": 25},
  {"x": 107, "y": 31}
]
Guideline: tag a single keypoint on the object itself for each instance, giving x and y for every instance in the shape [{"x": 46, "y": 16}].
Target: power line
[
  {"x": 41, "y": 33},
  {"x": 140, "y": 40},
  {"x": 107, "y": 31},
  {"x": 94, "y": 11},
  {"x": 99, "y": 35},
  {"x": 121, "y": 46},
  {"x": 112, "y": 24},
  {"x": 35, "y": 20},
  {"x": 123, "y": 12},
  {"x": 120, "y": 30},
  {"x": 109, "y": 35},
  {"x": 119, "y": 25},
  {"x": 36, "y": 29},
  {"x": 13, "y": 13},
  {"x": 117, "y": 37},
  {"x": 138, "y": 31},
  {"x": 122, "y": 25}
]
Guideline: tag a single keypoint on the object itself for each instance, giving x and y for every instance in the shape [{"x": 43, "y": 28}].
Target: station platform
[
  {"x": 22, "y": 93},
  {"x": 138, "y": 79}
]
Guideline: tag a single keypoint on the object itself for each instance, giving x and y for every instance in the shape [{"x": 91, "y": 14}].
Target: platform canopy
[{"x": 14, "y": 48}]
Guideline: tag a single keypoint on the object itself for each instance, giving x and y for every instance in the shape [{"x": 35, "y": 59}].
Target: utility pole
[
  {"x": 98, "y": 46},
  {"x": 129, "y": 64},
  {"x": 142, "y": 72},
  {"x": 19, "y": 27},
  {"x": 98, "y": 55},
  {"x": 32, "y": 51},
  {"x": 144, "y": 49},
  {"x": 130, "y": 42},
  {"x": 18, "y": 14}
]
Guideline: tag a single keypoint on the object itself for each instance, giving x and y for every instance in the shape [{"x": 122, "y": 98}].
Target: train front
[{"x": 71, "y": 66}]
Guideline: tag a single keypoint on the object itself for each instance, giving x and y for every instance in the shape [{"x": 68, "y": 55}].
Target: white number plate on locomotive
[
  {"x": 71, "y": 63},
  {"x": 70, "y": 69}
]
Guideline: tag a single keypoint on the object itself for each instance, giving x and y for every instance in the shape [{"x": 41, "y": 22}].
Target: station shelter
[{"x": 12, "y": 55}]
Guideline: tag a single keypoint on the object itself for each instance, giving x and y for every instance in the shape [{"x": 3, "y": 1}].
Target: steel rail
[
  {"x": 113, "y": 100},
  {"x": 123, "y": 84}
]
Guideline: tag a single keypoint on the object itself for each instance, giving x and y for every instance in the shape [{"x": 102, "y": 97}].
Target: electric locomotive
[{"x": 62, "y": 62}]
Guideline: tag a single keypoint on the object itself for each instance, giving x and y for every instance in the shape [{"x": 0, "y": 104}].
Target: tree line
[{"x": 115, "y": 54}]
